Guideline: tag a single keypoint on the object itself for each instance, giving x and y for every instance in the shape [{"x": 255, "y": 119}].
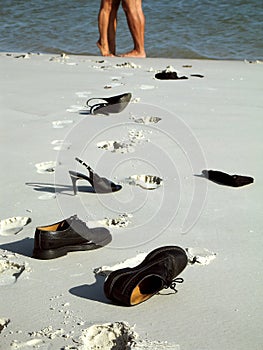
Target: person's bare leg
[
  {"x": 103, "y": 24},
  {"x": 113, "y": 26},
  {"x": 136, "y": 22}
]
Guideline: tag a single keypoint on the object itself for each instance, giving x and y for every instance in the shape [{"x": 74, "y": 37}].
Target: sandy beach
[{"x": 156, "y": 148}]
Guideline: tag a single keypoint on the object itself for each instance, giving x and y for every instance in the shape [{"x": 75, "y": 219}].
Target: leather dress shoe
[
  {"x": 68, "y": 235},
  {"x": 131, "y": 286},
  {"x": 228, "y": 180}
]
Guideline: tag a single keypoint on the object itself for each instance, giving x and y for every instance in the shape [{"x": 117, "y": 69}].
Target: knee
[
  {"x": 128, "y": 7},
  {"x": 115, "y": 5},
  {"x": 106, "y": 6}
]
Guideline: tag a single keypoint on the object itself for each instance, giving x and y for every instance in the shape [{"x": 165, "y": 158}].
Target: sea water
[{"x": 214, "y": 29}]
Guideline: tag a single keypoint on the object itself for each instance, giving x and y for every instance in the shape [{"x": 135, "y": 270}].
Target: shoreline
[
  {"x": 61, "y": 52},
  {"x": 172, "y": 130}
]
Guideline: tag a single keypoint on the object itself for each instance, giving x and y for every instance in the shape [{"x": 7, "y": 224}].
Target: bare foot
[
  {"x": 104, "y": 51},
  {"x": 134, "y": 53}
]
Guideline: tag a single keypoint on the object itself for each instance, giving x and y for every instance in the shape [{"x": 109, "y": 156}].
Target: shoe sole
[
  {"x": 115, "y": 275},
  {"x": 58, "y": 252}
]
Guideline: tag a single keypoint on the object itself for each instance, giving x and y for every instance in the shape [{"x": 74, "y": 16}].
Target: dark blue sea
[{"x": 213, "y": 29}]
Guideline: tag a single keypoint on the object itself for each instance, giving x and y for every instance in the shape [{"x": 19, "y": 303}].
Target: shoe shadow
[
  {"x": 54, "y": 188},
  {"x": 48, "y": 187},
  {"x": 91, "y": 291},
  {"x": 23, "y": 247},
  {"x": 201, "y": 175}
]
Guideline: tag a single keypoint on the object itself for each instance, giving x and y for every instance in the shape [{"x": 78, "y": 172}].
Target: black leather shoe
[
  {"x": 68, "y": 235},
  {"x": 131, "y": 286},
  {"x": 226, "y": 179}
]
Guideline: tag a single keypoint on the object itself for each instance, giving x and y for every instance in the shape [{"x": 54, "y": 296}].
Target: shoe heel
[
  {"x": 78, "y": 176},
  {"x": 74, "y": 179},
  {"x": 48, "y": 254}
]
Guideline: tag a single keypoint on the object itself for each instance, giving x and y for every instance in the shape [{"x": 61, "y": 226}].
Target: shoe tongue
[
  {"x": 62, "y": 225},
  {"x": 73, "y": 219},
  {"x": 68, "y": 222},
  {"x": 80, "y": 227}
]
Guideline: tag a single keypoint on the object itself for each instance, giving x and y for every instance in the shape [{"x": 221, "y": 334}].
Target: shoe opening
[
  {"x": 146, "y": 289},
  {"x": 55, "y": 227}
]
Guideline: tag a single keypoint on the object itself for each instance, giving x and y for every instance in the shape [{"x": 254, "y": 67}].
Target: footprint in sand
[
  {"x": 118, "y": 336},
  {"x": 63, "y": 59},
  {"x": 147, "y": 182},
  {"x": 72, "y": 63},
  {"x": 121, "y": 221},
  {"x": 116, "y": 146},
  {"x": 10, "y": 271},
  {"x": 135, "y": 137},
  {"x": 4, "y": 323},
  {"x": 74, "y": 109},
  {"x": 12, "y": 226},
  {"x": 147, "y": 87},
  {"x": 59, "y": 124},
  {"x": 47, "y": 196},
  {"x": 46, "y": 167},
  {"x": 136, "y": 100},
  {"x": 60, "y": 145},
  {"x": 112, "y": 85},
  {"x": 116, "y": 78},
  {"x": 127, "y": 65},
  {"x": 138, "y": 136},
  {"x": 146, "y": 120},
  {"x": 200, "y": 256},
  {"x": 27, "y": 55},
  {"x": 30, "y": 344},
  {"x": 83, "y": 94}
]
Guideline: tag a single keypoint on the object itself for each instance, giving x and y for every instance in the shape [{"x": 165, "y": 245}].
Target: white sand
[{"x": 175, "y": 130}]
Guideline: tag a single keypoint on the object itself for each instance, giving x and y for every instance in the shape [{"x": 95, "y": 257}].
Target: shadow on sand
[
  {"x": 24, "y": 247},
  {"x": 91, "y": 291},
  {"x": 53, "y": 188}
]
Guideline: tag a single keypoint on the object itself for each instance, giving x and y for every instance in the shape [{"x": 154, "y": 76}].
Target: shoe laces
[
  {"x": 172, "y": 285},
  {"x": 75, "y": 219}
]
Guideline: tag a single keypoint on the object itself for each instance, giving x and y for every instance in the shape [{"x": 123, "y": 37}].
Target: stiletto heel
[
  {"x": 99, "y": 184},
  {"x": 74, "y": 181},
  {"x": 77, "y": 176}
]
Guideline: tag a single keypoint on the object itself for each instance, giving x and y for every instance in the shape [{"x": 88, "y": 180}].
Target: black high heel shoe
[
  {"x": 114, "y": 104},
  {"x": 99, "y": 184}
]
